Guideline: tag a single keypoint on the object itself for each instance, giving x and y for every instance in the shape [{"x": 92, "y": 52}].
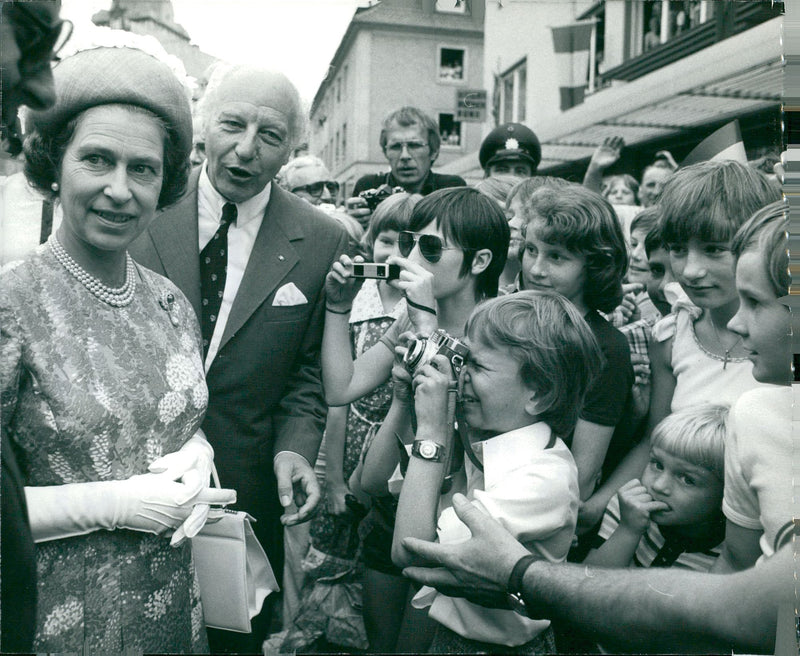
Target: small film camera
[
  {"x": 378, "y": 271},
  {"x": 373, "y": 197},
  {"x": 421, "y": 351}
]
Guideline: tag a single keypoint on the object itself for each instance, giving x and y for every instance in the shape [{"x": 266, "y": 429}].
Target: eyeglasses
[
  {"x": 413, "y": 147},
  {"x": 315, "y": 188},
  {"x": 36, "y": 36},
  {"x": 431, "y": 246}
]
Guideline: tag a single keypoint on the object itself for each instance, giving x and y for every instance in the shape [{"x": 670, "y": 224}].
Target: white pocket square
[{"x": 289, "y": 294}]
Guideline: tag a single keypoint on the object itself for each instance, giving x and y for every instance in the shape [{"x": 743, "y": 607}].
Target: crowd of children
[{"x": 581, "y": 393}]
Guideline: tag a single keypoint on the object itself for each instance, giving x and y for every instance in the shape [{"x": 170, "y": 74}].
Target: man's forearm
[{"x": 663, "y": 610}]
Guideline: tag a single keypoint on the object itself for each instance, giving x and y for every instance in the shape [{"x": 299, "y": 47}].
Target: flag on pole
[
  {"x": 571, "y": 44},
  {"x": 725, "y": 143}
]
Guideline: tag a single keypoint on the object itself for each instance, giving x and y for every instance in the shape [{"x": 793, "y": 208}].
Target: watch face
[{"x": 427, "y": 450}]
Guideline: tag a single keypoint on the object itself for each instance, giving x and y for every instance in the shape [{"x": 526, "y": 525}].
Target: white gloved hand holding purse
[
  {"x": 192, "y": 465},
  {"x": 155, "y": 502}
]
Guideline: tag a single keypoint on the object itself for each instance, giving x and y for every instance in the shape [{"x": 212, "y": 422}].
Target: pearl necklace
[{"x": 116, "y": 297}]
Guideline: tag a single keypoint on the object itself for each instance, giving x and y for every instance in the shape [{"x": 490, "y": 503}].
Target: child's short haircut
[
  {"x": 695, "y": 434},
  {"x": 392, "y": 213},
  {"x": 525, "y": 188},
  {"x": 628, "y": 179},
  {"x": 583, "y": 222},
  {"x": 497, "y": 187},
  {"x": 767, "y": 230},
  {"x": 472, "y": 221},
  {"x": 647, "y": 219},
  {"x": 654, "y": 241},
  {"x": 710, "y": 200},
  {"x": 558, "y": 354}
]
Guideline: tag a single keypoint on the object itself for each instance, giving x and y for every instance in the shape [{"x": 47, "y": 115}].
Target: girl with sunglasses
[{"x": 450, "y": 258}]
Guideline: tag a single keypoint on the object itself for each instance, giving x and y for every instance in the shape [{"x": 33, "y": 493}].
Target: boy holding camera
[{"x": 531, "y": 358}]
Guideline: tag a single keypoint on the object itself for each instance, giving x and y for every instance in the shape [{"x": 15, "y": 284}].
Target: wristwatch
[
  {"x": 515, "y": 599},
  {"x": 428, "y": 450}
]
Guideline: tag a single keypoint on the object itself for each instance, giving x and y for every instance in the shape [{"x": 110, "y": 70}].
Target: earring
[{"x": 54, "y": 187}]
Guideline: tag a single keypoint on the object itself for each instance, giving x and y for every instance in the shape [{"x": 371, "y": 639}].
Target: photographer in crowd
[{"x": 410, "y": 141}]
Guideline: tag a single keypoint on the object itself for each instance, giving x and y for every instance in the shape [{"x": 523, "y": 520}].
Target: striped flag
[
  {"x": 725, "y": 143},
  {"x": 572, "y": 43}
]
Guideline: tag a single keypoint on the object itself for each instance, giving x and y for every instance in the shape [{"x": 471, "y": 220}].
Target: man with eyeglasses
[
  {"x": 410, "y": 142},
  {"x": 308, "y": 177},
  {"x": 29, "y": 35}
]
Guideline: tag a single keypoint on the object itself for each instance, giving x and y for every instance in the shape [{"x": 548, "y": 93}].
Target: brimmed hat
[
  {"x": 510, "y": 141},
  {"x": 104, "y": 76}
]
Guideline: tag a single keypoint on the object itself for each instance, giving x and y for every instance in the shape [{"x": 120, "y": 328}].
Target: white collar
[
  {"x": 247, "y": 210},
  {"x": 534, "y": 436}
]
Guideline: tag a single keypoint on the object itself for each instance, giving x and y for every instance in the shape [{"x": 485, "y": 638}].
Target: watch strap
[{"x": 518, "y": 573}]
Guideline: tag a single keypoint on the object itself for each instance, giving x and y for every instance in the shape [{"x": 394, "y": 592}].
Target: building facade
[
  {"x": 396, "y": 53},
  {"x": 662, "y": 74},
  {"x": 155, "y": 18}
]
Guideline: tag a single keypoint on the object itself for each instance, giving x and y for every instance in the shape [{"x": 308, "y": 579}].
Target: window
[
  {"x": 344, "y": 141},
  {"x": 449, "y": 130},
  {"x": 451, "y": 64},
  {"x": 513, "y": 90},
  {"x": 667, "y": 19},
  {"x": 451, "y": 6},
  {"x": 337, "y": 153},
  {"x": 344, "y": 80},
  {"x": 338, "y": 88}
]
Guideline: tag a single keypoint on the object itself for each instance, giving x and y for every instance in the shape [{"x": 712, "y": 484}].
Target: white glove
[
  {"x": 148, "y": 502},
  {"x": 191, "y": 464}
]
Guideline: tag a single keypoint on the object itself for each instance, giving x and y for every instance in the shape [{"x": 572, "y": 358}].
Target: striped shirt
[{"x": 655, "y": 550}]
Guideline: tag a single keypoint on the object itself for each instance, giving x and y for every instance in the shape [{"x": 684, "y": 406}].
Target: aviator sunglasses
[
  {"x": 315, "y": 188},
  {"x": 431, "y": 246}
]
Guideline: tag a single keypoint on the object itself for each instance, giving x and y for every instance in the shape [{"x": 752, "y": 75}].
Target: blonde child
[{"x": 672, "y": 516}]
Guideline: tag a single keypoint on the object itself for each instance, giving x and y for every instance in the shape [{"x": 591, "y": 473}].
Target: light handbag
[{"x": 232, "y": 569}]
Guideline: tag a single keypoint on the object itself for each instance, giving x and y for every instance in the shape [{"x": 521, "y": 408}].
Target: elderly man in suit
[{"x": 252, "y": 259}]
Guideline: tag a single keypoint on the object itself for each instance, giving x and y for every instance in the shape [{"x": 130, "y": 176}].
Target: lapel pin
[{"x": 281, "y": 258}]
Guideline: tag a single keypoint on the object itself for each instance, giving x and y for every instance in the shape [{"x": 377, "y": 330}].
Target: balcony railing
[{"x": 731, "y": 18}]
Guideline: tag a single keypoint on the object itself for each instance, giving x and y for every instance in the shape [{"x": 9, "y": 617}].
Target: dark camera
[
  {"x": 373, "y": 270},
  {"x": 373, "y": 197},
  {"x": 421, "y": 351}
]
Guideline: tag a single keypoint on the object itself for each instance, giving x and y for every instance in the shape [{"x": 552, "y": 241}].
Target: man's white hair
[{"x": 205, "y": 107}]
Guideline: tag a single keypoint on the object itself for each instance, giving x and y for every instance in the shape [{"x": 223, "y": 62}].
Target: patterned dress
[{"x": 95, "y": 393}]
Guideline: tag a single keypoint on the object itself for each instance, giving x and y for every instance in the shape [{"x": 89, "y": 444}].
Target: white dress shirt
[{"x": 241, "y": 238}]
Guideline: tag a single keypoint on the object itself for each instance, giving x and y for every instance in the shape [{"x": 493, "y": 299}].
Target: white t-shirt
[{"x": 759, "y": 481}]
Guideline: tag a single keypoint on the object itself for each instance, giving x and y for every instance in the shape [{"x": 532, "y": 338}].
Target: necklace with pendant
[{"x": 719, "y": 341}]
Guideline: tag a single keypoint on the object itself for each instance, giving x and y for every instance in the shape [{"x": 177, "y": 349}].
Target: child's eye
[
  {"x": 657, "y": 271},
  {"x": 677, "y": 250},
  {"x": 714, "y": 249},
  {"x": 655, "y": 463},
  {"x": 688, "y": 480}
]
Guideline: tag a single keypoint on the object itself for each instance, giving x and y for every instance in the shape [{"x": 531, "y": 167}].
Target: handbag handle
[{"x": 214, "y": 475}]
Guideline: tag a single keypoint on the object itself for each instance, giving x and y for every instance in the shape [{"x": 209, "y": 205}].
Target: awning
[{"x": 736, "y": 77}]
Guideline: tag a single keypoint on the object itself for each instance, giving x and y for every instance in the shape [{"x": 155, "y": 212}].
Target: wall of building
[
  {"x": 521, "y": 30},
  {"x": 387, "y": 69}
]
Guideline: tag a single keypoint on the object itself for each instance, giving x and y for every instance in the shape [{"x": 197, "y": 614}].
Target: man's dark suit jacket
[
  {"x": 265, "y": 389},
  {"x": 433, "y": 182}
]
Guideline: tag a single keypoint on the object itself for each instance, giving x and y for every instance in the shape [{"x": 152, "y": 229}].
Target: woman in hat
[{"x": 101, "y": 377}]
